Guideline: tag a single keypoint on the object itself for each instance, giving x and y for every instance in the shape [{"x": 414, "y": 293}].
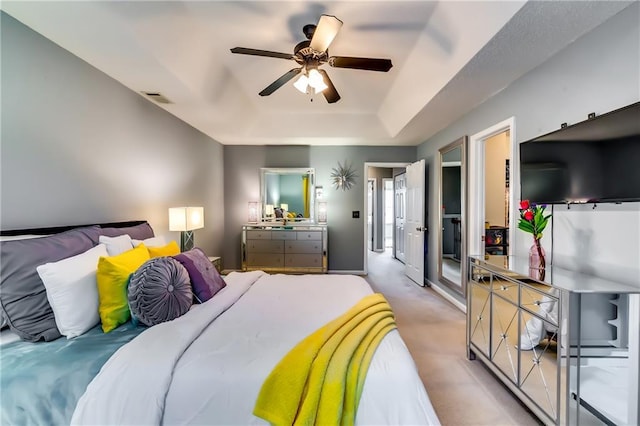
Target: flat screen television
[{"x": 594, "y": 161}]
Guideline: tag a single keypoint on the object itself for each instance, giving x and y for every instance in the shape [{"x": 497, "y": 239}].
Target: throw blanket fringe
[{"x": 321, "y": 379}]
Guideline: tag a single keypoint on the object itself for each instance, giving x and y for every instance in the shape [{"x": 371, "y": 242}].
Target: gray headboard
[{"x": 58, "y": 229}]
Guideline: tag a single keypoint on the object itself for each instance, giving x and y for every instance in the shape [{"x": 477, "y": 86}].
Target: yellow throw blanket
[{"x": 320, "y": 380}]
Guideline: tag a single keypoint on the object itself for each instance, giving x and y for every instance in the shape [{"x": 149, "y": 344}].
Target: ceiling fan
[{"x": 310, "y": 54}]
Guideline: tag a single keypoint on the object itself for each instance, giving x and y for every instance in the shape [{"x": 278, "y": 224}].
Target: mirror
[
  {"x": 287, "y": 192},
  {"x": 452, "y": 218}
]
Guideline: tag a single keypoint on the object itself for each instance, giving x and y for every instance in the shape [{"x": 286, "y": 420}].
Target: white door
[
  {"x": 400, "y": 208},
  {"x": 414, "y": 228}
]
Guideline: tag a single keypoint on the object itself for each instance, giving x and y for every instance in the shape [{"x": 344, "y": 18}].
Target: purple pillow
[
  {"x": 159, "y": 291},
  {"x": 205, "y": 279}
]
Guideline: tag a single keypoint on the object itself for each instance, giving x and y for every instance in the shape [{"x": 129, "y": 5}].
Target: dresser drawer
[
  {"x": 309, "y": 235},
  {"x": 283, "y": 235},
  {"x": 303, "y": 261},
  {"x": 265, "y": 246},
  {"x": 303, "y": 247},
  {"x": 265, "y": 260},
  {"x": 258, "y": 234}
]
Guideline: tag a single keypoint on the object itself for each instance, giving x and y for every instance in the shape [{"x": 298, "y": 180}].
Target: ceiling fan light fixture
[
  {"x": 302, "y": 83},
  {"x": 316, "y": 81},
  {"x": 312, "y": 53}
]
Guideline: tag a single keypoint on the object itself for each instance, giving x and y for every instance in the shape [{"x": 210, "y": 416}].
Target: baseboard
[
  {"x": 449, "y": 298},
  {"x": 346, "y": 272}
]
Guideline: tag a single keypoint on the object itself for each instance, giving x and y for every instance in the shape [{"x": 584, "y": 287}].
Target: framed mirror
[
  {"x": 288, "y": 192},
  {"x": 452, "y": 215}
]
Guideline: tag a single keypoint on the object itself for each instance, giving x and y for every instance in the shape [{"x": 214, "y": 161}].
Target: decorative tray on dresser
[{"x": 564, "y": 342}]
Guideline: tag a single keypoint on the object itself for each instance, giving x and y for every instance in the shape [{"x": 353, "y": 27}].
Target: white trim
[
  {"x": 633, "y": 416},
  {"x": 374, "y": 204},
  {"x": 366, "y": 173},
  {"x": 449, "y": 298},
  {"x": 476, "y": 184}
]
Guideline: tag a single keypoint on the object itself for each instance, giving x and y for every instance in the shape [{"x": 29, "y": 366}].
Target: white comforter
[{"x": 207, "y": 366}]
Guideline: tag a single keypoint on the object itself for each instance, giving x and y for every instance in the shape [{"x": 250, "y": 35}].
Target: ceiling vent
[{"x": 158, "y": 97}]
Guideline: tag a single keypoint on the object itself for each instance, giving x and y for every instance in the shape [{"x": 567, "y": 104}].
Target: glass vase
[{"x": 537, "y": 261}]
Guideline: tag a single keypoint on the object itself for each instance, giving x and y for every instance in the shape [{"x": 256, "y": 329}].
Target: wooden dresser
[{"x": 284, "y": 248}]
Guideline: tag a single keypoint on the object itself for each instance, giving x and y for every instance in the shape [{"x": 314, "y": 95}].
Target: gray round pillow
[{"x": 159, "y": 291}]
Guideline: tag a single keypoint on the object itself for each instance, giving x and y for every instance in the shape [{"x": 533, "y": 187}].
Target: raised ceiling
[{"x": 448, "y": 57}]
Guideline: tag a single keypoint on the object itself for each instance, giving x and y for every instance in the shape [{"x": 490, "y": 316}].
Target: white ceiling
[{"x": 448, "y": 57}]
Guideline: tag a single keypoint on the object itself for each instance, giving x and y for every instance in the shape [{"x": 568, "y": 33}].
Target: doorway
[
  {"x": 388, "y": 209},
  {"x": 487, "y": 199},
  {"x": 381, "y": 232},
  {"x": 496, "y": 193}
]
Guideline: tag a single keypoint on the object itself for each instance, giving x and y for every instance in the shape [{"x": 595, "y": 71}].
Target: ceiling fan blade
[
  {"x": 257, "y": 52},
  {"x": 280, "y": 82},
  {"x": 326, "y": 30},
  {"x": 330, "y": 93},
  {"x": 369, "y": 64}
]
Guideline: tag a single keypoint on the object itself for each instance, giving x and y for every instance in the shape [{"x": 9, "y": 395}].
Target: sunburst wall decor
[{"x": 343, "y": 176}]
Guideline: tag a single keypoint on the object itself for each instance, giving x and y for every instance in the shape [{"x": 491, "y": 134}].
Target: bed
[{"x": 206, "y": 366}]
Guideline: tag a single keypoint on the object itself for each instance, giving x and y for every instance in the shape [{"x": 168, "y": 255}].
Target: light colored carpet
[{"x": 462, "y": 392}]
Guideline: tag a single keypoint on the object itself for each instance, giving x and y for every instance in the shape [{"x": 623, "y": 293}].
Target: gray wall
[
  {"x": 78, "y": 147},
  {"x": 346, "y": 235},
  {"x": 598, "y": 73}
]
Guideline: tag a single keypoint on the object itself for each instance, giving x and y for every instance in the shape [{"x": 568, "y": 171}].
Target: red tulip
[
  {"x": 528, "y": 215},
  {"x": 524, "y": 204}
]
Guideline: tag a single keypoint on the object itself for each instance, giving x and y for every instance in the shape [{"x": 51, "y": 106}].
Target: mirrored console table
[
  {"x": 294, "y": 247},
  {"x": 565, "y": 343}
]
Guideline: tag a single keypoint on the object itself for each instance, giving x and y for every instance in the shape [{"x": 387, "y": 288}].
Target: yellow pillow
[
  {"x": 113, "y": 277},
  {"x": 170, "y": 249}
]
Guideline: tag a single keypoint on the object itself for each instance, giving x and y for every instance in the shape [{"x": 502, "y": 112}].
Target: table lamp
[
  {"x": 185, "y": 220},
  {"x": 253, "y": 211}
]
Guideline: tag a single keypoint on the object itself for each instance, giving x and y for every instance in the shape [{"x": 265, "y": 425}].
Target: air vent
[{"x": 158, "y": 97}]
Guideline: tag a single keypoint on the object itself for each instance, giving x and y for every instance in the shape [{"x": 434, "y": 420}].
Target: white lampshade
[
  {"x": 301, "y": 83},
  {"x": 322, "y": 212},
  {"x": 316, "y": 81},
  {"x": 268, "y": 209},
  {"x": 253, "y": 211},
  {"x": 284, "y": 206},
  {"x": 186, "y": 218}
]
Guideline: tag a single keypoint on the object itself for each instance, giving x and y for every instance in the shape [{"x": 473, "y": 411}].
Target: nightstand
[{"x": 217, "y": 262}]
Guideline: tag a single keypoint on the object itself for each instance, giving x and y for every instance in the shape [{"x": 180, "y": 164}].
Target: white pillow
[
  {"x": 116, "y": 245},
  {"x": 151, "y": 242},
  {"x": 72, "y": 290}
]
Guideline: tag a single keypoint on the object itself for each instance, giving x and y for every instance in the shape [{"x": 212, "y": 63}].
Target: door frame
[
  {"x": 374, "y": 200},
  {"x": 475, "y": 230},
  {"x": 367, "y": 164}
]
